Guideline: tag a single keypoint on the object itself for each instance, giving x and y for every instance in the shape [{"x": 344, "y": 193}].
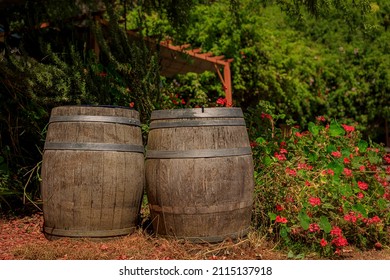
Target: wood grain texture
[
  {"x": 87, "y": 193},
  {"x": 199, "y": 198}
]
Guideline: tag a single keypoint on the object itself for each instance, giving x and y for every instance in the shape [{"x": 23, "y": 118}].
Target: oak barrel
[
  {"x": 199, "y": 174},
  {"x": 92, "y": 172}
]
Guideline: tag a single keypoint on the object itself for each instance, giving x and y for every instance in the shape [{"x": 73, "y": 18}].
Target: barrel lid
[{"x": 220, "y": 112}]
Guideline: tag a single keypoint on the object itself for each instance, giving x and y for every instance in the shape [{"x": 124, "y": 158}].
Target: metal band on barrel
[
  {"x": 209, "y": 209},
  {"x": 197, "y": 113},
  {"x": 197, "y": 123},
  {"x": 204, "y": 153},
  {"x": 87, "y": 233},
  {"x": 94, "y": 147},
  {"x": 103, "y": 119}
]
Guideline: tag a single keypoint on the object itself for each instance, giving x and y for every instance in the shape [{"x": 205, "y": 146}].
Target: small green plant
[{"x": 321, "y": 189}]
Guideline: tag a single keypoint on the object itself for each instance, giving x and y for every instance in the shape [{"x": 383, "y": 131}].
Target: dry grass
[{"x": 22, "y": 239}]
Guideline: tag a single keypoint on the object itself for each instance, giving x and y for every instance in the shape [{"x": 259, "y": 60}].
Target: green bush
[{"x": 321, "y": 189}]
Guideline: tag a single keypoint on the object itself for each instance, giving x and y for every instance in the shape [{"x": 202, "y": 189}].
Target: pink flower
[
  {"x": 348, "y": 128},
  {"x": 323, "y": 242},
  {"x": 336, "y": 231},
  {"x": 362, "y": 185},
  {"x": 348, "y": 172},
  {"x": 321, "y": 118},
  {"x": 336, "y": 154},
  {"x": 281, "y": 220},
  {"x": 314, "y": 228},
  {"x": 314, "y": 201}
]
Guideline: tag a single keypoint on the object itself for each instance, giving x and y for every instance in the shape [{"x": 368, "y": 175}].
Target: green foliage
[{"x": 321, "y": 189}]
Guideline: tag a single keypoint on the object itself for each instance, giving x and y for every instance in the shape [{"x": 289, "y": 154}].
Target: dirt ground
[{"x": 21, "y": 238}]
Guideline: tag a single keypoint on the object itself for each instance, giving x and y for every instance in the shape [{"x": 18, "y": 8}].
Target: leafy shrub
[{"x": 321, "y": 189}]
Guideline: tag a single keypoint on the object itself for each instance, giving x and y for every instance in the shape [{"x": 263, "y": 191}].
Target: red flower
[
  {"x": 314, "y": 201},
  {"x": 283, "y": 151},
  {"x": 298, "y": 134},
  {"x": 348, "y": 128},
  {"x": 360, "y": 195},
  {"x": 321, "y": 118},
  {"x": 340, "y": 241},
  {"x": 336, "y": 154},
  {"x": 387, "y": 158},
  {"x": 362, "y": 185},
  {"x": 291, "y": 172},
  {"x": 348, "y": 172},
  {"x": 373, "y": 220},
  {"x": 266, "y": 116},
  {"x": 336, "y": 231},
  {"x": 362, "y": 168},
  {"x": 279, "y": 207},
  {"x": 350, "y": 217},
  {"x": 323, "y": 242},
  {"x": 346, "y": 160},
  {"x": 102, "y": 74},
  {"x": 330, "y": 172},
  {"x": 281, "y": 220},
  {"x": 280, "y": 157},
  {"x": 221, "y": 101},
  {"x": 131, "y": 104},
  {"x": 183, "y": 101},
  {"x": 253, "y": 144},
  {"x": 307, "y": 183},
  {"x": 314, "y": 228}
]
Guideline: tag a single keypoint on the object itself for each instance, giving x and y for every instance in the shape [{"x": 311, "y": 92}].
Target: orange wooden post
[{"x": 228, "y": 85}]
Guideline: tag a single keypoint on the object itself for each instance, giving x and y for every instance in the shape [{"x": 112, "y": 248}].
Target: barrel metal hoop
[
  {"x": 87, "y": 233},
  {"x": 198, "y": 123},
  {"x": 94, "y": 147},
  {"x": 194, "y": 210},
  {"x": 209, "y": 239},
  {"x": 204, "y": 153},
  {"x": 197, "y": 113},
  {"x": 102, "y": 119}
]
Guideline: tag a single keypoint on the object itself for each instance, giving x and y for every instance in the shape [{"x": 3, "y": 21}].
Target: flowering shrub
[{"x": 322, "y": 189}]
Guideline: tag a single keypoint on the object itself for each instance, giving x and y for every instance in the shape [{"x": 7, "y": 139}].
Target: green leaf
[
  {"x": 304, "y": 220},
  {"x": 260, "y": 140},
  {"x": 267, "y": 161},
  {"x": 314, "y": 129},
  {"x": 382, "y": 203},
  {"x": 283, "y": 232},
  {"x": 336, "y": 167},
  {"x": 335, "y": 129},
  {"x": 346, "y": 190},
  {"x": 324, "y": 224},
  {"x": 313, "y": 158},
  {"x": 331, "y": 148},
  {"x": 362, "y": 145},
  {"x": 360, "y": 208},
  {"x": 272, "y": 216}
]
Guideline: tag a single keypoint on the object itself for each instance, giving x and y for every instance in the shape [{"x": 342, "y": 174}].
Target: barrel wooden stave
[
  {"x": 88, "y": 193},
  {"x": 199, "y": 198}
]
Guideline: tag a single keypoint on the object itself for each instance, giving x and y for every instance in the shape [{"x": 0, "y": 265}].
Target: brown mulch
[{"x": 21, "y": 238}]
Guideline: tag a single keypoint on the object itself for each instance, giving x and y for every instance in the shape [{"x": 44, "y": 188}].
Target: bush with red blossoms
[{"x": 321, "y": 189}]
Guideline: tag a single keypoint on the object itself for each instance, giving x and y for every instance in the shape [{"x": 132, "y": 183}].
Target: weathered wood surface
[
  {"x": 86, "y": 192},
  {"x": 199, "y": 187}
]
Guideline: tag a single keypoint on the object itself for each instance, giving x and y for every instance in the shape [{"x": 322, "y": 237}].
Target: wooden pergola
[{"x": 182, "y": 59}]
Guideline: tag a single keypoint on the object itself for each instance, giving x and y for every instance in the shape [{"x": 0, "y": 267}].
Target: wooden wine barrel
[
  {"x": 199, "y": 174},
  {"x": 92, "y": 172}
]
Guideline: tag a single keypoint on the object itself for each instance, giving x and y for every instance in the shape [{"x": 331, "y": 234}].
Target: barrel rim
[
  {"x": 214, "y": 112},
  {"x": 98, "y": 106}
]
